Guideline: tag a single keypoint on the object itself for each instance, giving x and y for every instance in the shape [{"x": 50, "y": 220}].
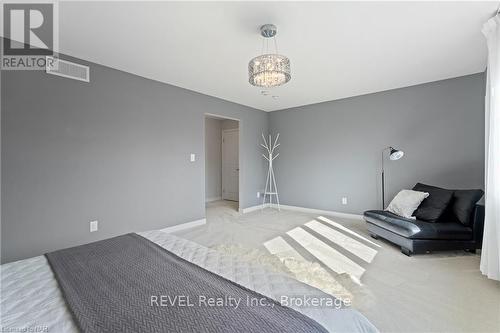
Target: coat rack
[{"x": 271, "y": 188}]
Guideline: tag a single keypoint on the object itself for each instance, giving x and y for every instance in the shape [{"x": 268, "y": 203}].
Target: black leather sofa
[{"x": 416, "y": 236}]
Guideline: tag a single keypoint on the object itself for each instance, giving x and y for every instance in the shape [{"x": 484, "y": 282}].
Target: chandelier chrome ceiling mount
[
  {"x": 269, "y": 69},
  {"x": 268, "y": 30}
]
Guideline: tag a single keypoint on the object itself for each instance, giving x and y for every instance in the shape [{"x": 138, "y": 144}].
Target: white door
[{"x": 230, "y": 165}]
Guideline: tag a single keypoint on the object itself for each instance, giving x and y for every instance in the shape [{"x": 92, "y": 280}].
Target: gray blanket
[{"x": 130, "y": 284}]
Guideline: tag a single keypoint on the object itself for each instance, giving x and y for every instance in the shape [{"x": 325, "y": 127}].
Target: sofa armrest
[{"x": 478, "y": 224}]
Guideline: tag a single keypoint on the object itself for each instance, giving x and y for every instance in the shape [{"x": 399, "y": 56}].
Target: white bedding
[{"x": 30, "y": 296}]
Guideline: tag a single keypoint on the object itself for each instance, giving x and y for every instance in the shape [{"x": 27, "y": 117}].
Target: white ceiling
[{"x": 337, "y": 49}]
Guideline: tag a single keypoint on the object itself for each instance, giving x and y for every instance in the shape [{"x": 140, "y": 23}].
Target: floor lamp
[{"x": 394, "y": 155}]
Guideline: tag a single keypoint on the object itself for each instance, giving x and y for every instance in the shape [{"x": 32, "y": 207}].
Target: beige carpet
[{"x": 437, "y": 292}]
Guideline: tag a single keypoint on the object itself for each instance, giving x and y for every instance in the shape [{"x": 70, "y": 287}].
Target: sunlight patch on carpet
[
  {"x": 332, "y": 258},
  {"x": 353, "y": 246},
  {"x": 341, "y": 227},
  {"x": 300, "y": 269}
]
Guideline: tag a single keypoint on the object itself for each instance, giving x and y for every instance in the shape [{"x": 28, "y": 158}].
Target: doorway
[{"x": 222, "y": 169}]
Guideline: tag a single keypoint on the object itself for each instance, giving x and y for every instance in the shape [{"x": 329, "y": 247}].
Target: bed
[{"x": 31, "y": 298}]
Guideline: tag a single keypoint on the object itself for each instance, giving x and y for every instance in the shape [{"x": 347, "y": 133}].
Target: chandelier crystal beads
[{"x": 270, "y": 69}]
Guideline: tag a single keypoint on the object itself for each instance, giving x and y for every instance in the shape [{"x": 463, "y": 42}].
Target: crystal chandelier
[{"x": 269, "y": 69}]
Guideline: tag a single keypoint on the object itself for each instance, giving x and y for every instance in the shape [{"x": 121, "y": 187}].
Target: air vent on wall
[{"x": 68, "y": 69}]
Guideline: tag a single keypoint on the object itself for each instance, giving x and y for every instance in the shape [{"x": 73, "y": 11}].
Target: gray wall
[
  {"x": 333, "y": 149},
  {"x": 213, "y": 159},
  {"x": 115, "y": 150}
]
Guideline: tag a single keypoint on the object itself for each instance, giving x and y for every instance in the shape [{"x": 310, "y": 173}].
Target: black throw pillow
[
  {"x": 463, "y": 204},
  {"x": 431, "y": 209}
]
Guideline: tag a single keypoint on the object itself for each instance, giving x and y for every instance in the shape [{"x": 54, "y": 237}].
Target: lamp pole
[{"x": 383, "y": 179}]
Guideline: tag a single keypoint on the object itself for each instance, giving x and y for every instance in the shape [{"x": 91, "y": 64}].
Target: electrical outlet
[
  {"x": 192, "y": 158},
  {"x": 344, "y": 200},
  {"x": 258, "y": 194},
  {"x": 93, "y": 226}
]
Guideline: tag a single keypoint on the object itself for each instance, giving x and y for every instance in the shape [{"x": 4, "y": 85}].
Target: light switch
[
  {"x": 192, "y": 158},
  {"x": 93, "y": 226},
  {"x": 344, "y": 200}
]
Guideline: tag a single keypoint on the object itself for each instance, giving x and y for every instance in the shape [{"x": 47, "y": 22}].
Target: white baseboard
[
  {"x": 213, "y": 199},
  {"x": 322, "y": 212},
  {"x": 184, "y": 226},
  {"x": 253, "y": 208},
  {"x": 305, "y": 210}
]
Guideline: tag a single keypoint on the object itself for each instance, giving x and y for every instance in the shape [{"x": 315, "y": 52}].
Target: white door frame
[{"x": 240, "y": 128}]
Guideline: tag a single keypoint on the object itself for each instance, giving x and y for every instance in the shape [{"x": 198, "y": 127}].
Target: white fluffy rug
[{"x": 307, "y": 272}]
